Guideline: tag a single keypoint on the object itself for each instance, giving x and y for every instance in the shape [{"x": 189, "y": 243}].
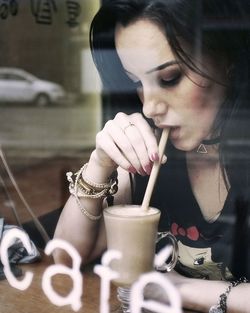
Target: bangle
[
  {"x": 221, "y": 306},
  {"x": 80, "y": 187},
  {"x": 95, "y": 186}
]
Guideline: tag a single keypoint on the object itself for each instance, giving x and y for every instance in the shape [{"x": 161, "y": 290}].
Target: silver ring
[{"x": 127, "y": 126}]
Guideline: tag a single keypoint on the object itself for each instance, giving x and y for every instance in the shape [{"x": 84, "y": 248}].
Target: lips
[
  {"x": 175, "y": 133},
  {"x": 174, "y": 130}
]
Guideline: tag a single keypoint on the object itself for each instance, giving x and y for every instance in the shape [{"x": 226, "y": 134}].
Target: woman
[{"x": 187, "y": 63}]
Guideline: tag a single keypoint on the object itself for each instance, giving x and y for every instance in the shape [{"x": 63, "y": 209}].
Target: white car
[{"x": 17, "y": 85}]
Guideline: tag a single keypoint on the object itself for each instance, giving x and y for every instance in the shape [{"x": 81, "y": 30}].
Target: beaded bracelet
[
  {"x": 221, "y": 306},
  {"x": 80, "y": 187}
]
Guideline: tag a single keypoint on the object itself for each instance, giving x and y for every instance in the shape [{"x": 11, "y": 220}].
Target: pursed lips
[
  {"x": 161, "y": 125},
  {"x": 174, "y": 130}
]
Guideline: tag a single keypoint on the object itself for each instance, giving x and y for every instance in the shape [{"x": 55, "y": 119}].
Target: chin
[{"x": 184, "y": 146}]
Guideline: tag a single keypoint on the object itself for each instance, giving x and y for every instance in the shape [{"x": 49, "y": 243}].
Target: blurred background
[{"x": 50, "y": 102}]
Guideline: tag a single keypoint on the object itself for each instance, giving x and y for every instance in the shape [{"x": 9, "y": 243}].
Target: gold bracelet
[
  {"x": 79, "y": 187},
  {"x": 88, "y": 189},
  {"x": 96, "y": 186},
  {"x": 85, "y": 188},
  {"x": 73, "y": 191}
]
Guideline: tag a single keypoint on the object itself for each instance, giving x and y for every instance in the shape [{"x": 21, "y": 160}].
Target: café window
[
  {"x": 50, "y": 103},
  {"x": 194, "y": 105}
]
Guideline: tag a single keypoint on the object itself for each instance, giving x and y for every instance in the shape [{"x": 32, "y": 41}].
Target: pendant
[{"x": 201, "y": 149}]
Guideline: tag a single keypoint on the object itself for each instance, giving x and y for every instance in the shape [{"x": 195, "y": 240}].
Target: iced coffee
[{"x": 133, "y": 232}]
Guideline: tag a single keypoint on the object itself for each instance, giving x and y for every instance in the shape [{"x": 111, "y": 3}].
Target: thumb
[{"x": 164, "y": 159}]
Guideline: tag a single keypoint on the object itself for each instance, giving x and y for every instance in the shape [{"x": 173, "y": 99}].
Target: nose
[{"x": 153, "y": 104}]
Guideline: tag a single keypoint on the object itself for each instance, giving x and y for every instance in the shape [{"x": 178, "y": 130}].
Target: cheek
[
  {"x": 198, "y": 99},
  {"x": 190, "y": 99},
  {"x": 204, "y": 95}
]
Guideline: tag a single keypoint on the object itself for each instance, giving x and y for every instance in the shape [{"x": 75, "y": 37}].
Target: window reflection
[{"x": 50, "y": 105}]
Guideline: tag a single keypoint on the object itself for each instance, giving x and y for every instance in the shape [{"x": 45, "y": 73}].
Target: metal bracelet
[
  {"x": 84, "y": 188},
  {"x": 221, "y": 306},
  {"x": 79, "y": 188}
]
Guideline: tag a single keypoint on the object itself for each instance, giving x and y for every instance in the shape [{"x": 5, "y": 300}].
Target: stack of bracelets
[{"x": 80, "y": 187}]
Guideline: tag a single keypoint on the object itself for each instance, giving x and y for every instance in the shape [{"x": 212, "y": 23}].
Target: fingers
[
  {"x": 142, "y": 147},
  {"x": 130, "y": 142},
  {"x": 108, "y": 151},
  {"x": 148, "y": 136},
  {"x": 122, "y": 148}
]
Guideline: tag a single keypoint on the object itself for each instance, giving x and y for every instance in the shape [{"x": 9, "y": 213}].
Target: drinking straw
[{"x": 155, "y": 170}]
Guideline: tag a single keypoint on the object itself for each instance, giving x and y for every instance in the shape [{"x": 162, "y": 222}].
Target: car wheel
[{"x": 42, "y": 100}]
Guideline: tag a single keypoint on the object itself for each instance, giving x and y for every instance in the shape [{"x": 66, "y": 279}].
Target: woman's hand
[{"x": 129, "y": 142}]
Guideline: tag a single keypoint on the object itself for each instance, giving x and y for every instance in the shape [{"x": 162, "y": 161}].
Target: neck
[
  {"x": 212, "y": 141},
  {"x": 208, "y": 146},
  {"x": 210, "y": 156}
]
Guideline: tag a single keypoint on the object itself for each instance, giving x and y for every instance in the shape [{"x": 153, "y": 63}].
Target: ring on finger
[{"x": 127, "y": 126}]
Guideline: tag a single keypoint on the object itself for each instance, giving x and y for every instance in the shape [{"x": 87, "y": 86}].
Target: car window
[{"x": 15, "y": 77}]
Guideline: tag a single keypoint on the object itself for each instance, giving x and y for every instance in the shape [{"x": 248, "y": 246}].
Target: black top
[{"x": 212, "y": 250}]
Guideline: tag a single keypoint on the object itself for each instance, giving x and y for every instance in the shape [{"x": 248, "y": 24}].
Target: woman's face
[{"x": 187, "y": 103}]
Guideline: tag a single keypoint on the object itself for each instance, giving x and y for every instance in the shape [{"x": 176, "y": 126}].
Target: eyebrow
[
  {"x": 162, "y": 66},
  {"x": 159, "y": 67}
]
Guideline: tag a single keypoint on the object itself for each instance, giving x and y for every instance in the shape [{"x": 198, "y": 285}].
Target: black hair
[{"x": 219, "y": 29}]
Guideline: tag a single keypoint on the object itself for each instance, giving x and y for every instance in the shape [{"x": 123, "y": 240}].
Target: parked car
[{"x": 17, "y": 85}]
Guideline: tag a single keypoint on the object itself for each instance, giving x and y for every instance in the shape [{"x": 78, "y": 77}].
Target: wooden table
[{"x": 34, "y": 300}]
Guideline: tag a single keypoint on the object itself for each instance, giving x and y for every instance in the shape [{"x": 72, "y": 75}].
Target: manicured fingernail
[
  {"x": 148, "y": 169},
  {"x": 141, "y": 172},
  {"x": 132, "y": 170},
  {"x": 154, "y": 157}
]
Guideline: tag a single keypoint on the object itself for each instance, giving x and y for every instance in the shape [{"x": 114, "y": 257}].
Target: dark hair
[{"x": 217, "y": 28}]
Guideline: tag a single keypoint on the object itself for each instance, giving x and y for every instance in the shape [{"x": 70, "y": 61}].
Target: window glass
[{"x": 50, "y": 105}]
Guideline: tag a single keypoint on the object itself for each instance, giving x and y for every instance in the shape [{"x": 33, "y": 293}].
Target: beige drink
[{"x": 132, "y": 231}]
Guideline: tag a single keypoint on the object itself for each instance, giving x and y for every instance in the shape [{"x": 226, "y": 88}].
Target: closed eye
[{"x": 169, "y": 82}]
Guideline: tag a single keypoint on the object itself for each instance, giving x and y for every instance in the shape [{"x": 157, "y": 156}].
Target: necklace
[{"x": 207, "y": 142}]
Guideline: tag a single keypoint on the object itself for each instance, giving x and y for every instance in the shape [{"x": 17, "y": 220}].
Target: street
[
  {"x": 48, "y": 131},
  {"x": 40, "y": 145}
]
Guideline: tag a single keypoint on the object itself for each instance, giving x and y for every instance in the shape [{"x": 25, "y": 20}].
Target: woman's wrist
[
  {"x": 91, "y": 183},
  {"x": 195, "y": 297},
  {"x": 97, "y": 171}
]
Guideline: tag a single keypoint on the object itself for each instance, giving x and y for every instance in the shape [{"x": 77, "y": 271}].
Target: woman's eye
[{"x": 170, "y": 81}]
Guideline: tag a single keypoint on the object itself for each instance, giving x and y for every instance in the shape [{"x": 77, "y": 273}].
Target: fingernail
[
  {"x": 154, "y": 157},
  {"x": 141, "y": 172},
  {"x": 164, "y": 159},
  {"x": 148, "y": 169},
  {"x": 132, "y": 170}
]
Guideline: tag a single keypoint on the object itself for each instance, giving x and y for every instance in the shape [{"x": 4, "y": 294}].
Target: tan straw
[{"x": 155, "y": 170}]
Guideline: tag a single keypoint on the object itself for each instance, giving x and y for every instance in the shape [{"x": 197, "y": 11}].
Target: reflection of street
[
  {"x": 41, "y": 145},
  {"x": 19, "y": 86},
  {"x": 48, "y": 131}
]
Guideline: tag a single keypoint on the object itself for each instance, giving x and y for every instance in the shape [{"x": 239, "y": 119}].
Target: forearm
[
  {"x": 76, "y": 228},
  {"x": 114, "y": 150},
  {"x": 85, "y": 234},
  {"x": 200, "y": 295}
]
